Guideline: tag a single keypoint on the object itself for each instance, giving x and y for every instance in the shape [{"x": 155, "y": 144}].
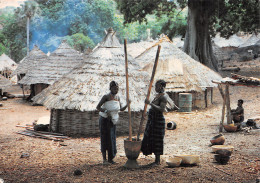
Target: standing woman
[
  {"x": 109, "y": 107},
  {"x": 155, "y": 127}
]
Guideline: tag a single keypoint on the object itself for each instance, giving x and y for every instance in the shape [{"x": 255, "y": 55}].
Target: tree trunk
[
  {"x": 197, "y": 39},
  {"x": 27, "y": 29}
]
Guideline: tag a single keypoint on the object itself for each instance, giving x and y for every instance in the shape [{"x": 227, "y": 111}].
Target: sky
[{"x": 14, "y": 3}]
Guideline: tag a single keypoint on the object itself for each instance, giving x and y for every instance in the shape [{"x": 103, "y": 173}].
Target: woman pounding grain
[
  {"x": 109, "y": 107},
  {"x": 155, "y": 127}
]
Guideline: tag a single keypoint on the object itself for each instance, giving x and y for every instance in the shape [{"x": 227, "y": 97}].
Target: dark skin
[
  {"x": 112, "y": 95},
  {"x": 159, "y": 104},
  {"x": 238, "y": 110}
]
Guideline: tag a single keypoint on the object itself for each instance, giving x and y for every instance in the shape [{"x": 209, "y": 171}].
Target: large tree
[{"x": 205, "y": 17}]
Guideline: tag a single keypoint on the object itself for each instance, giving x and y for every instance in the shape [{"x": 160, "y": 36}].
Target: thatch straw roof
[
  {"x": 7, "y": 63},
  {"x": 60, "y": 62},
  {"x": 250, "y": 41},
  {"x": 29, "y": 62},
  {"x": 83, "y": 88},
  {"x": 179, "y": 70},
  {"x": 135, "y": 49},
  {"x": 233, "y": 41},
  {"x": 4, "y": 82}
]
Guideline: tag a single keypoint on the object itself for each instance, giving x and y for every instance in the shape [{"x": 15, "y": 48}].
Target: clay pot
[
  {"x": 221, "y": 159},
  {"x": 230, "y": 128},
  {"x": 218, "y": 140}
]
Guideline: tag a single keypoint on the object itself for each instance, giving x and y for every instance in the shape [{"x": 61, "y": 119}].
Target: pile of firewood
[
  {"x": 246, "y": 80},
  {"x": 30, "y": 131}
]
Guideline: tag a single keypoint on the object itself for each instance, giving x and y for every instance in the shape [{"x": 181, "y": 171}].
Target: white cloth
[{"x": 113, "y": 108}]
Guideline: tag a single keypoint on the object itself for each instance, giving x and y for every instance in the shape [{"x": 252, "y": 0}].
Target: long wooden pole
[
  {"x": 149, "y": 91},
  {"x": 229, "y": 120},
  {"x": 127, "y": 93},
  {"x": 223, "y": 111}
]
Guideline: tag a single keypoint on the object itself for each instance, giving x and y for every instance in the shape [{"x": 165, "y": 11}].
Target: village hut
[
  {"x": 233, "y": 42},
  {"x": 250, "y": 41},
  {"x": 73, "y": 98},
  {"x": 29, "y": 62},
  {"x": 45, "y": 73},
  {"x": 181, "y": 73},
  {"x": 7, "y": 65},
  {"x": 4, "y": 82},
  {"x": 220, "y": 54}
]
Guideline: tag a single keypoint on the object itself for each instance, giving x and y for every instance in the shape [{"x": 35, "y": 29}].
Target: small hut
[
  {"x": 7, "y": 65},
  {"x": 3, "y": 84},
  {"x": 229, "y": 44},
  {"x": 73, "y": 98},
  {"x": 29, "y": 62},
  {"x": 252, "y": 40},
  {"x": 181, "y": 73},
  {"x": 60, "y": 62}
]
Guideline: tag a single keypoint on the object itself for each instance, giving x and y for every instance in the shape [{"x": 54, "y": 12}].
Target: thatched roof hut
[
  {"x": 180, "y": 71},
  {"x": 7, "y": 65},
  {"x": 60, "y": 62},
  {"x": 29, "y": 62},
  {"x": 250, "y": 41},
  {"x": 228, "y": 44},
  {"x": 73, "y": 98}
]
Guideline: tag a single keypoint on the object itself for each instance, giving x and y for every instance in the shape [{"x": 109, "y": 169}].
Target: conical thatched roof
[
  {"x": 83, "y": 88},
  {"x": 135, "y": 49},
  {"x": 60, "y": 62},
  {"x": 29, "y": 62},
  {"x": 250, "y": 41},
  {"x": 4, "y": 82},
  {"x": 7, "y": 63},
  {"x": 232, "y": 41},
  {"x": 180, "y": 71}
]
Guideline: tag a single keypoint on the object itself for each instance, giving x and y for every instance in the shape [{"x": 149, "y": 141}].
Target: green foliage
[
  {"x": 225, "y": 16},
  {"x": 2, "y": 49},
  {"x": 80, "y": 42},
  {"x": 13, "y": 36},
  {"x": 234, "y": 16}
]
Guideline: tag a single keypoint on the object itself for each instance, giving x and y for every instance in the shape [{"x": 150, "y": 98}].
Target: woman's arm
[
  {"x": 101, "y": 102},
  {"x": 162, "y": 104},
  {"x": 123, "y": 108}
]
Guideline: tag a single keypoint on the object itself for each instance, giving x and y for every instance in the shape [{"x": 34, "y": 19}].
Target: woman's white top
[{"x": 112, "y": 106}]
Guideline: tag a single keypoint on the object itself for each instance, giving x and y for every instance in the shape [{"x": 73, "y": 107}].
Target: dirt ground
[{"x": 51, "y": 161}]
